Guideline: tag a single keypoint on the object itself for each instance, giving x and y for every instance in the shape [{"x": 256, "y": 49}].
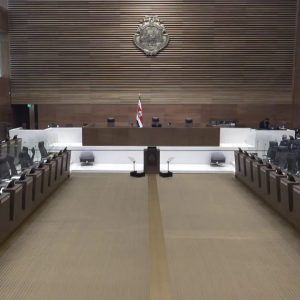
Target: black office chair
[
  {"x": 24, "y": 158},
  {"x": 155, "y": 122},
  {"x": 110, "y": 122},
  {"x": 281, "y": 156},
  {"x": 271, "y": 153},
  {"x": 4, "y": 169},
  {"x": 291, "y": 162},
  {"x": 188, "y": 122},
  {"x": 13, "y": 170},
  {"x": 43, "y": 151}
]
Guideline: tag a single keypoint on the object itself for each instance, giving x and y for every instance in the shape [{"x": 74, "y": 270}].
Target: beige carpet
[
  {"x": 90, "y": 241},
  {"x": 223, "y": 243},
  {"x": 106, "y": 236}
]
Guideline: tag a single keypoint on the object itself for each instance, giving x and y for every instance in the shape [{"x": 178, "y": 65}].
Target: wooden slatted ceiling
[{"x": 220, "y": 51}]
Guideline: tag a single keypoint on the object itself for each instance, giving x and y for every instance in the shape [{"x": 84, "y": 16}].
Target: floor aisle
[{"x": 190, "y": 237}]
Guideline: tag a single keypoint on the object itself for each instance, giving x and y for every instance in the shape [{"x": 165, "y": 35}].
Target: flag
[{"x": 139, "y": 114}]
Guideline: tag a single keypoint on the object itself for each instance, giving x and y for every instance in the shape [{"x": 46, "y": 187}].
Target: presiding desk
[{"x": 96, "y": 136}]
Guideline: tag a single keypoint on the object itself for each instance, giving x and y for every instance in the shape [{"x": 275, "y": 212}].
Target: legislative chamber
[{"x": 149, "y": 150}]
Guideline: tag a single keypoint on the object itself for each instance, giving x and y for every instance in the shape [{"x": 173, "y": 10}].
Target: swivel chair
[
  {"x": 4, "y": 169},
  {"x": 87, "y": 158},
  {"x": 281, "y": 156},
  {"x": 271, "y": 154},
  {"x": 188, "y": 122},
  {"x": 24, "y": 158},
  {"x": 13, "y": 170},
  {"x": 155, "y": 122},
  {"x": 110, "y": 122},
  {"x": 217, "y": 159},
  {"x": 291, "y": 162},
  {"x": 43, "y": 151}
]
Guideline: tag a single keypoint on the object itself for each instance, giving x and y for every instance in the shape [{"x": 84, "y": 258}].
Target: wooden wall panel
[
  {"x": 5, "y": 106},
  {"x": 296, "y": 115},
  {"x": 3, "y": 19},
  {"x": 220, "y": 52},
  {"x": 297, "y": 61}
]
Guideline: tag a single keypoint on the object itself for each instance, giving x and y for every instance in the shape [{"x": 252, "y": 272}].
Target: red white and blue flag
[{"x": 139, "y": 114}]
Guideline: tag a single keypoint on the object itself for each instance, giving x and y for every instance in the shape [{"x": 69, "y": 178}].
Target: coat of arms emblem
[{"x": 151, "y": 36}]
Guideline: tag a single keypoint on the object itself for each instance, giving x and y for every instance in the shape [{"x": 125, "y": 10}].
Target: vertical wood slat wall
[
  {"x": 220, "y": 52},
  {"x": 296, "y": 95},
  {"x": 5, "y": 108}
]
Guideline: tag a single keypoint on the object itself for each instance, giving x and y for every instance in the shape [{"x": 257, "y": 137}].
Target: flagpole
[{"x": 139, "y": 113}]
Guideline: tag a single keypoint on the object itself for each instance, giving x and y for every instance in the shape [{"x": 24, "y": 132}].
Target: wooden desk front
[{"x": 93, "y": 136}]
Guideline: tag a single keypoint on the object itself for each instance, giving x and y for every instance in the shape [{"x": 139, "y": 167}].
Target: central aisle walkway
[{"x": 190, "y": 237}]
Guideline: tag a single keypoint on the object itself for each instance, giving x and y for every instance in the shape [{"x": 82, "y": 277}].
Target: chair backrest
[
  {"x": 296, "y": 145},
  {"x": 188, "y": 122},
  {"x": 24, "y": 159},
  {"x": 4, "y": 169},
  {"x": 273, "y": 144},
  {"x": 283, "y": 148},
  {"x": 13, "y": 170},
  {"x": 43, "y": 151},
  {"x": 284, "y": 143},
  {"x": 110, "y": 122}
]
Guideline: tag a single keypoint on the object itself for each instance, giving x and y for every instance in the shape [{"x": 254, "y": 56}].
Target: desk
[
  {"x": 93, "y": 136},
  {"x": 186, "y": 157}
]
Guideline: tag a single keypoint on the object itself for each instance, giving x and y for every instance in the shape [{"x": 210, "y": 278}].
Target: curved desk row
[
  {"x": 19, "y": 201},
  {"x": 275, "y": 189}
]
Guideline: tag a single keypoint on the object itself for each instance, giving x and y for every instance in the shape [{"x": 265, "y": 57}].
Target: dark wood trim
[{"x": 3, "y": 20}]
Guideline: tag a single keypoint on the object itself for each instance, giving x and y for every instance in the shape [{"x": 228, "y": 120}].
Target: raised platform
[{"x": 111, "y": 158}]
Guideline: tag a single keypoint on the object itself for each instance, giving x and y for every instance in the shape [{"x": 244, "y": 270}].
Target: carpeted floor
[
  {"x": 89, "y": 241},
  {"x": 224, "y": 243},
  {"x": 109, "y": 236}
]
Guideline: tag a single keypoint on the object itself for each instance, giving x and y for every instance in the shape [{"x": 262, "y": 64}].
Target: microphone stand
[
  {"x": 134, "y": 173},
  {"x": 168, "y": 173}
]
